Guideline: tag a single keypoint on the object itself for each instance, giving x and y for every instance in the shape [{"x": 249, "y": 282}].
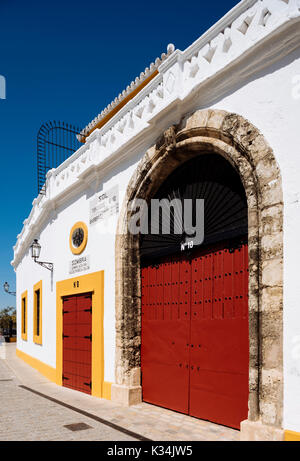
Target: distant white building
[{"x": 214, "y": 328}]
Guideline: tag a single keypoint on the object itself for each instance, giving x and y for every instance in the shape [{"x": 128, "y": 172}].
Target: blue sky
[{"x": 66, "y": 60}]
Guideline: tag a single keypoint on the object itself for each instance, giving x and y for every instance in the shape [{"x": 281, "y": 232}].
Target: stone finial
[{"x": 170, "y": 48}]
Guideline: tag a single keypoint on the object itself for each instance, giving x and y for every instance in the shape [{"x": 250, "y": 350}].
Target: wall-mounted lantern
[
  {"x": 35, "y": 254},
  {"x": 6, "y": 289}
]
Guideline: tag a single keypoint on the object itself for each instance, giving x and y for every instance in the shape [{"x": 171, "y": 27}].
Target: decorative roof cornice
[{"x": 131, "y": 90}]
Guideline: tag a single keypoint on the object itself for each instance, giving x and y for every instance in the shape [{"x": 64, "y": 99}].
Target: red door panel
[
  {"x": 165, "y": 332},
  {"x": 195, "y": 346},
  {"x": 219, "y": 353},
  {"x": 77, "y": 342},
  {"x": 165, "y": 364},
  {"x": 219, "y": 371}
]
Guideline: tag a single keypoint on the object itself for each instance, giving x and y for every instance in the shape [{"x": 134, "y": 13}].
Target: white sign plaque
[
  {"x": 79, "y": 264},
  {"x": 104, "y": 205}
]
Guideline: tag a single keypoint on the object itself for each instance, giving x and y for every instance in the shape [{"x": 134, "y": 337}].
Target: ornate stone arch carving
[{"x": 236, "y": 139}]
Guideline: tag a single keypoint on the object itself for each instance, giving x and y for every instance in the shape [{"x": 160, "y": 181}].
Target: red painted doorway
[
  {"x": 77, "y": 342},
  {"x": 195, "y": 340}
]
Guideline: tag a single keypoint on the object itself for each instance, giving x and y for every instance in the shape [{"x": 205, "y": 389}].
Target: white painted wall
[{"x": 54, "y": 240}]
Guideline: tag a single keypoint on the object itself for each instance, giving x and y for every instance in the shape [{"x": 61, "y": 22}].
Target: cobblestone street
[{"x": 26, "y": 415}]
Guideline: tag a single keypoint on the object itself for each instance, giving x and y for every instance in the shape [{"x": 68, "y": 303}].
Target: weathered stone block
[
  {"x": 271, "y": 299},
  {"x": 272, "y": 272},
  {"x": 253, "y": 431},
  {"x": 216, "y": 119},
  {"x": 272, "y": 246},
  {"x": 195, "y": 120},
  {"x": 270, "y": 325},
  {"x": 271, "y": 220},
  {"x": 272, "y": 354},
  {"x": 265, "y": 170},
  {"x": 126, "y": 395},
  {"x": 271, "y": 193}
]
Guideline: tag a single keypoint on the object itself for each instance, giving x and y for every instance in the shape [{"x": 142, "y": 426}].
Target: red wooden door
[
  {"x": 77, "y": 342},
  {"x": 219, "y": 345},
  {"x": 165, "y": 333},
  {"x": 195, "y": 347}
]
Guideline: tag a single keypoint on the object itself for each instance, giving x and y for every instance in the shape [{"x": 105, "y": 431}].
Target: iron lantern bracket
[{"x": 47, "y": 265}]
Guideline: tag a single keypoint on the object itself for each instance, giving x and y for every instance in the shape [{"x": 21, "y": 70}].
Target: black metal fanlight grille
[
  {"x": 209, "y": 177},
  {"x": 56, "y": 141}
]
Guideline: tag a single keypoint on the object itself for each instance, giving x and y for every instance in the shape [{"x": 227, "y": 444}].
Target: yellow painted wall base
[
  {"x": 291, "y": 436},
  {"x": 50, "y": 372},
  {"x": 45, "y": 370},
  {"x": 106, "y": 393}
]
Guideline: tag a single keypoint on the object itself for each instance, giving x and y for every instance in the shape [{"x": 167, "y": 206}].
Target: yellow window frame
[
  {"x": 37, "y": 329},
  {"x": 24, "y": 315}
]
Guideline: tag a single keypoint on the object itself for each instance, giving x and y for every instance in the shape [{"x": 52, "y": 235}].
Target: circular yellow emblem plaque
[{"x": 78, "y": 238}]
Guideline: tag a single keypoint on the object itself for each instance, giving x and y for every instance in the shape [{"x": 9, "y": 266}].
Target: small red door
[
  {"x": 195, "y": 346},
  {"x": 77, "y": 342}
]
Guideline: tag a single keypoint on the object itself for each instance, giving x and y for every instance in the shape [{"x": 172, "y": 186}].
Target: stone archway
[{"x": 237, "y": 140}]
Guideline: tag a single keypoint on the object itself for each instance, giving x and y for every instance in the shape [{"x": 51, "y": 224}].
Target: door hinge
[
  {"x": 88, "y": 337},
  {"x": 64, "y": 377},
  {"x": 88, "y": 384},
  {"x": 65, "y": 336},
  {"x": 88, "y": 310}
]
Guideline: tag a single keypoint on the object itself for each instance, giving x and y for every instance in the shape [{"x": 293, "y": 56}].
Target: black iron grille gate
[{"x": 56, "y": 141}]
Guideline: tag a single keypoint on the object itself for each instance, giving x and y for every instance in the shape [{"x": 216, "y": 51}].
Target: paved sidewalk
[{"x": 25, "y": 415}]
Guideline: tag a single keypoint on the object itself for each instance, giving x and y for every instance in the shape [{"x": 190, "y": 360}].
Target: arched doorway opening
[
  {"x": 244, "y": 147},
  {"x": 194, "y": 296}
]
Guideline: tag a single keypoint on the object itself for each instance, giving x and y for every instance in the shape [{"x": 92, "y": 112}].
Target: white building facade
[{"x": 234, "y": 93}]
